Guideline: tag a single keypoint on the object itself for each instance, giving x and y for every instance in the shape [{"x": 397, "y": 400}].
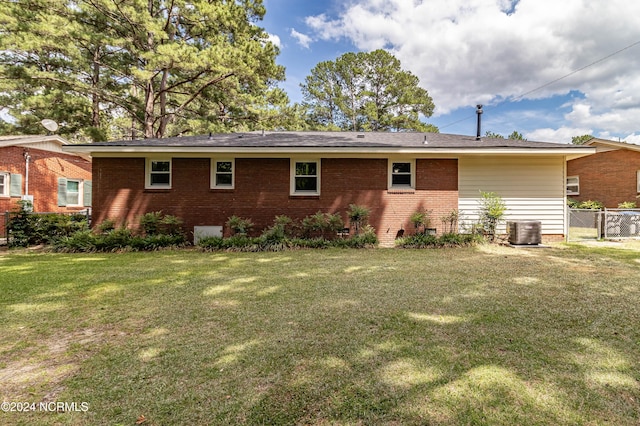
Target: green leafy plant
[
  {"x": 450, "y": 221},
  {"x": 358, "y": 216},
  {"x": 324, "y": 225},
  {"x": 421, "y": 219},
  {"x": 239, "y": 225},
  {"x": 591, "y": 204},
  {"x": 150, "y": 222},
  {"x": 627, "y": 205},
  {"x": 491, "y": 212}
]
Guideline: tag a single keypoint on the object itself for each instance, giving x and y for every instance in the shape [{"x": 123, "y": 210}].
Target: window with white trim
[
  {"x": 73, "y": 192},
  {"x": 158, "y": 173},
  {"x": 222, "y": 174},
  {"x": 402, "y": 174},
  {"x": 305, "y": 177},
  {"x": 573, "y": 185},
  {"x": 4, "y": 184},
  {"x": 638, "y": 181}
]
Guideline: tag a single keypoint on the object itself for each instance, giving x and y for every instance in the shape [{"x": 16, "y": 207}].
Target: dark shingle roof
[{"x": 334, "y": 140}]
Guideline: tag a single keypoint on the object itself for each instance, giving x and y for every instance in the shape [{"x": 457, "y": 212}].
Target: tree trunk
[{"x": 95, "y": 97}]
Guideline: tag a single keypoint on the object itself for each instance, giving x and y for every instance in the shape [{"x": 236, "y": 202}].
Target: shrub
[
  {"x": 324, "y": 225},
  {"x": 150, "y": 223},
  {"x": 445, "y": 240},
  {"x": 81, "y": 241},
  {"x": 627, "y": 205},
  {"x": 26, "y": 228},
  {"x": 358, "y": 216},
  {"x": 421, "y": 219},
  {"x": 106, "y": 226},
  {"x": 591, "y": 204},
  {"x": 239, "y": 225},
  {"x": 450, "y": 221},
  {"x": 492, "y": 209}
]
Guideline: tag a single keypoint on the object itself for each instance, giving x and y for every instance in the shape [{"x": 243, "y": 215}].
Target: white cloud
[
  {"x": 481, "y": 51},
  {"x": 275, "y": 40},
  {"x": 633, "y": 138},
  {"x": 303, "y": 39},
  {"x": 561, "y": 135}
]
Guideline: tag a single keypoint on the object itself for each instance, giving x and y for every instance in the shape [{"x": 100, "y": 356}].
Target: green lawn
[{"x": 488, "y": 335}]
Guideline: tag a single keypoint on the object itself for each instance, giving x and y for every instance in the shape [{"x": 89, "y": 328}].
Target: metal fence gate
[
  {"x": 620, "y": 223},
  {"x": 586, "y": 224}
]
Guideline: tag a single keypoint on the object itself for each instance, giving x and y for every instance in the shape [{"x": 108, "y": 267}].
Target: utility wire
[{"x": 551, "y": 82}]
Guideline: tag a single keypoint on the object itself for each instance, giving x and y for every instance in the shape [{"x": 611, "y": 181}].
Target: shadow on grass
[{"x": 407, "y": 337}]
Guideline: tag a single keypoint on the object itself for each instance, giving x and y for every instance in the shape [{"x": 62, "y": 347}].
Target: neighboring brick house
[
  {"x": 611, "y": 175},
  {"x": 36, "y": 168},
  {"x": 205, "y": 180}
]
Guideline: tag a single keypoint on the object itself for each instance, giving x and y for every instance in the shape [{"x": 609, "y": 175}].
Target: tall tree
[
  {"x": 581, "y": 140},
  {"x": 366, "y": 91},
  {"x": 489, "y": 134},
  {"x": 165, "y": 66},
  {"x": 517, "y": 136}
]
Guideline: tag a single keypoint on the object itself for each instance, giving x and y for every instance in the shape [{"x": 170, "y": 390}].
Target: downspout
[{"x": 27, "y": 158}]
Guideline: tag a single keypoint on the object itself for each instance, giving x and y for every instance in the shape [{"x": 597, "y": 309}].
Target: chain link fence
[
  {"x": 620, "y": 223},
  {"x": 584, "y": 224},
  {"x": 588, "y": 224}
]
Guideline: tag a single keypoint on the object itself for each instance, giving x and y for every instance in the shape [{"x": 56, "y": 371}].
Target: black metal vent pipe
[{"x": 479, "y": 113}]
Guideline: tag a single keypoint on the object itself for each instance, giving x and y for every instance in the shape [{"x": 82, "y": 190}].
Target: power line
[{"x": 552, "y": 81}]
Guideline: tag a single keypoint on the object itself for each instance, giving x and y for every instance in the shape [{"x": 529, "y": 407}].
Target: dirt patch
[{"x": 37, "y": 373}]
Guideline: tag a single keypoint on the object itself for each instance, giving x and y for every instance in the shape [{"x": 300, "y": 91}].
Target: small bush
[
  {"x": 358, "y": 216},
  {"x": 627, "y": 205},
  {"x": 591, "y": 204},
  {"x": 445, "y": 240},
  {"x": 26, "y": 228},
  {"x": 239, "y": 225},
  {"x": 324, "y": 225}
]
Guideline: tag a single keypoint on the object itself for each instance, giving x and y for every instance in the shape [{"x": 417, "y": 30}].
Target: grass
[{"x": 486, "y": 335}]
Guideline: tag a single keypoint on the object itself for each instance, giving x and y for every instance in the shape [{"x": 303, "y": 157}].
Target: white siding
[{"x": 532, "y": 188}]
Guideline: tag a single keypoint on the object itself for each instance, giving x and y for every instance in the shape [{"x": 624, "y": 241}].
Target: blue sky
[{"x": 499, "y": 53}]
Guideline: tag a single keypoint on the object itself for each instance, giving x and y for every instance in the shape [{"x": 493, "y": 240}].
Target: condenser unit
[{"x": 524, "y": 232}]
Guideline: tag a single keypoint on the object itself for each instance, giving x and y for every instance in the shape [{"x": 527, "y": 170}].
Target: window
[
  {"x": 402, "y": 175},
  {"x": 638, "y": 181},
  {"x": 158, "y": 173},
  {"x": 74, "y": 192},
  {"x": 305, "y": 178},
  {"x": 573, "y": 185},
  {"x": 4, "y": 184},
  {"x": 222, "y": 177}
]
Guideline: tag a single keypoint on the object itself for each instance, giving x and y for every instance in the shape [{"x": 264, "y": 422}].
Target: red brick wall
[
  {"x": 609, "y": 177},
  {"x": 262, "y": 192},
  {"x": 45, "y": 167}
]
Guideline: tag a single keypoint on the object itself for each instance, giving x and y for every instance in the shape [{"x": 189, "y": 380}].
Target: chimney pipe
[{"x": 479, "y": 113}]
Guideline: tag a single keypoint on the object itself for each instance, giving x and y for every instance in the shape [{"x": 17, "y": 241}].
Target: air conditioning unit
[{"x": 524, "y": 232}]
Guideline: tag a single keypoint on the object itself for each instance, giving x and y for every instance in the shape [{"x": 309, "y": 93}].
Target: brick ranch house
[
  {"x": 36, "y": 166},
  {"x": 206, "y": 179},
  {"x": 611, "y": 175}
]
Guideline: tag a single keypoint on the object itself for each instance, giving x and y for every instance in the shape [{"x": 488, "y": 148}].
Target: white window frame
[
  {"x": 575, "y": 191},
  {"x": 412, "y": 173},
  {"x": 293, "y": 162},
  {"x": 214, "y": 173},
  {"x": 638, "y": 181},
  {"x": 80, "y": 193},
  {"x": 5, "y": 189},
  {"x": 149, "y": 171}
]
